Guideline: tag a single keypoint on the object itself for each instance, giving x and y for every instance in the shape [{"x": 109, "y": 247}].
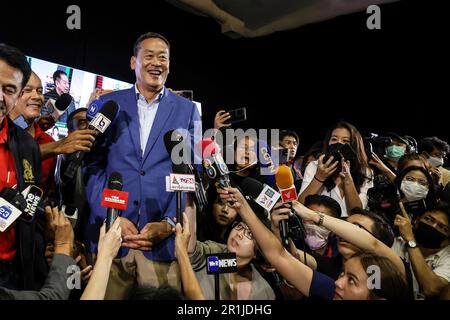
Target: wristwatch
[{"x": 411, "y": 244}]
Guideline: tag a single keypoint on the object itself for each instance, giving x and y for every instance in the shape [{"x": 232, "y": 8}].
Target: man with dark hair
[
  {"x": 20, "y": 167},
  {"x": 289, "y": 141},
  {"x": 62, "y": 85},
  {"x": 134, "y": 147},
  {"x": 425, "y": 244},
  {"x": 61, "y": 82},
  {"x": 435, "y": 151}
]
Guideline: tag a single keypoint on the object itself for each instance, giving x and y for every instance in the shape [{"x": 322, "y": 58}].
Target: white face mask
[
  {"x": 413, "y": 191},
  {"x": 436, "y": 161},
  {"x": 316, "y": 237}
]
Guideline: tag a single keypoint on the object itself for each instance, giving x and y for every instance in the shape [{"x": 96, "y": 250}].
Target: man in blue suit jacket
[{"x": 134, "y": 146}]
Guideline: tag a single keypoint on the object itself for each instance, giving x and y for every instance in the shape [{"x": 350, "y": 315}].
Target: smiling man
[
  {"x": 135, "y": 148},
  {"x": 20, "y": 167},
  {"x": 29, "y": 106}
]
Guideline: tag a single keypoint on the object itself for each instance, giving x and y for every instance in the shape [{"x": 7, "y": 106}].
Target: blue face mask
[{"x": 394, "y": 152}]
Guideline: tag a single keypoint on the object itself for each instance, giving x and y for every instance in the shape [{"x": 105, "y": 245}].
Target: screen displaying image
[{"x": 81, "y": 85}]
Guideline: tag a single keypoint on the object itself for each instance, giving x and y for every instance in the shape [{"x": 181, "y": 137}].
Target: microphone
[
  {"x": 215, "y": 167},
  {"x": 114, "y": 199},
  {"x": 57, "y": 108},
  {"x": 182, "y": 178},
  {"x": 268, "y": 167},
  {"x": 260, "y": 193},
  {"x": 14, "y": 204},
  {"x": 99, "y": 123},
  {"x": 285, "y": 183},
  {"x": 63, "y": 102}
]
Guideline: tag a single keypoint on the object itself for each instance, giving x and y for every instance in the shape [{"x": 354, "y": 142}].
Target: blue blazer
[{"x": 143, "y": 175}]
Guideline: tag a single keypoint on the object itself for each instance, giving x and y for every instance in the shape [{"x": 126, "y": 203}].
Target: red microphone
[
  {"x": 208, "y": 148},
  {"x": 114, "y": 199}
]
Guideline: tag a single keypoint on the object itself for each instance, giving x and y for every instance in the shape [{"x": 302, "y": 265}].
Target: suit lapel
[
  {"x": 163, "y": 113},
  {"x": 133, "y": 120}
]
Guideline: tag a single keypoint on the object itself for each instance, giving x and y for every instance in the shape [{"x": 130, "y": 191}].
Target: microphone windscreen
[
  {"x": 251, "y": 187},
  {"x": 171, "y": 139},
  {"x": 63, "y": 101},
  {"x": 8, "y": 194},
  {"x": 115, "y": 181},
  {"x": 284, "y": 177},
  {"x": 208, "y": 147},
  {"x": 110, "y": 109}
]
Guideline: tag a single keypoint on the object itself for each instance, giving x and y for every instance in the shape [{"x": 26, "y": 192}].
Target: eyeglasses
[
  {"x": 439, "y": 226},
  {"x": 420, "y": 181},
  {"x": 238, "y": 226}
]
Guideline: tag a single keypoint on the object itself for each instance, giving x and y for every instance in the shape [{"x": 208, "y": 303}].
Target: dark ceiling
[{"x": 393, "y": 79}]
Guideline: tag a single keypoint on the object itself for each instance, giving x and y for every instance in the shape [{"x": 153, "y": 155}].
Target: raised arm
[
  {"x": 351, "y": 233},
  {"x": 295, "y": 272},
  {"x": 108, "y": 246},
  {"x": 191, "y": 286},
  {"x": 280, "y": 212}
]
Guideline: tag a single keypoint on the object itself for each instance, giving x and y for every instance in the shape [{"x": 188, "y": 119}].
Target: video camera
[
  {"x": 376, "y": 144},
  {"x": 384, "y": 197}
]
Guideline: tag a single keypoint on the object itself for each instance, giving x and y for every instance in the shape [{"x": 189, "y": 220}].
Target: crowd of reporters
[{"x": 371, "y": 218}]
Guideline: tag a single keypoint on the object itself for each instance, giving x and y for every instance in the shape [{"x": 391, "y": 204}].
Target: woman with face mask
[
  {"x": 346, "y": 180},
  {"x": 425, "y": 244},
  {"x": 416, "y": 184}
]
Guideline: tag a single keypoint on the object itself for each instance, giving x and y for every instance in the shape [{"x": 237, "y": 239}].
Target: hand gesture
[
  {"x": 325, "y": 170},
  {"x": 152, "y": 233},
  {"x": 233, "y": 196},
  {"x": 345, "y": 174},
  {"x": 109, "y": 242},
  {"x": 403, "y": 222},
  {"x": 220, "y": 119},
  {"x": 183, "y": 236},
  {"x": 279, "y": 212}
]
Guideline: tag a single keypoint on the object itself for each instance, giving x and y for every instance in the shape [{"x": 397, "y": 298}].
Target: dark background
[{"x": 393, "y": 79}]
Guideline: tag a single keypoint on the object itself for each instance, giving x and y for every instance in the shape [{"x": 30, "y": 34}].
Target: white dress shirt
[
  {"x": 335, "y": 193},
  {"x": 147, "y": 113}
]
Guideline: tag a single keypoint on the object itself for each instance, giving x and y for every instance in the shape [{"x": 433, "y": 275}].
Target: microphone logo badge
[
  {"x": 221, "y": 263},
  {"x": 5, "y": 212},
  {"x": 213, "y": 264},
  {"x": 100, "y": 122},
  {"x": 8, "y": 214},
  {"x": 267, "y": 198},
  {"x": 115, "y": 199},
  {"x": 289, "y": 194},
  {"x": 182, "y": 182}
]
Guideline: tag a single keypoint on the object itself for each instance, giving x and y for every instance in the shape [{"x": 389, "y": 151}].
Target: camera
[
  {"x": 376, "y": 144},
  {"x": 383, "y": 197}
]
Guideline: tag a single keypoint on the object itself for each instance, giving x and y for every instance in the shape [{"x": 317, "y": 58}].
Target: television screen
[{"x": 81, "y": 85}]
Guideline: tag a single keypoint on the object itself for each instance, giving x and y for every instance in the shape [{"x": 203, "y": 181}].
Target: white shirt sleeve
[
  {"x": 442, "y": 267},
  {"x": 310, "y": 171},
  {"x": 368, "y": 183}
]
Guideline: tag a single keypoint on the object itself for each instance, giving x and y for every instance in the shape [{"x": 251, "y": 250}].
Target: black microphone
[
  {"x": 29, "y": 201},
  {"x": 260, "y": 193},
  {"x": 172, "y": 139},
  {"x": 63, "y": 101},
  {"x": 115, "y": 182},
  {"x": 99, "y": 123}
]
